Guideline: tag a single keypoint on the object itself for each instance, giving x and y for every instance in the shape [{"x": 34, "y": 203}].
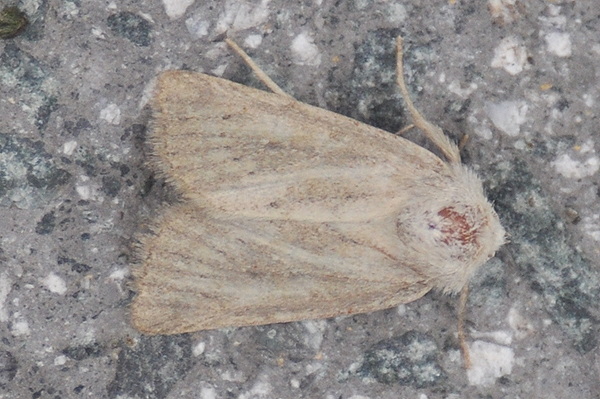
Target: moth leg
[
  {"x": 463, "y": 141},
  {"x": 256, "y": 69},
  {"x": 433, "y": 132},
  {"x": 405, "y": 129},
  {"x": 462, "y": 309}
]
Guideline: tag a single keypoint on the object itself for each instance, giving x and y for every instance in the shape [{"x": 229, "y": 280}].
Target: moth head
[{"x": 452, "y": 231}]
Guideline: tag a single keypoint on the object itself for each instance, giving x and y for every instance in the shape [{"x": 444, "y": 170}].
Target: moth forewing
[
  {"x": 292, "y": 212},
  {"x": 284, "y": 159},
  {"x": 230, "y": 273}
]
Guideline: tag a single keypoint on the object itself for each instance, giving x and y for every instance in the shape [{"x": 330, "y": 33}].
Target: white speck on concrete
[
  {"x": 360, "y": 5},
  {"x": 84, "y": 192},
  {"x": 148, "y": 91},
  {"x": 259, "y": 390},
  {"x": 86, "y": 282},
  {"x": 60, "y": 360},
  {"x": 111, "y": 114},
  {"x": 315, "y": 330},
  {"x": 396, "y": 13},
  {"x": 510, "y": 55},
  {"x": 208, "y": 393},
  {"x": 196, "y": 26},
  {"x": 119, "y": 274},
  {"x": 549, "y": 97},
  {"x": 253, "y": 41},
  {"x": 240, "y": 15},
  {"x": 5, "y": 284},
  {"x": 507, "y": 116},
  {"x": 588, "y": 146},
  {"x": 216, "y": 52},
  {"x": 520, "y": 145},
  {"x": 359, "y": 397},
  {"x": 176, "y": 8},
  {"x": 483, "y": 132},
  {"x": 69, "y": 147},
  {"x": 553, "y": 10},
  {"x": 87, "y": 191},
  {"x": 479, "y": 129},
  {"x": 558, "y": 43},
  {"x": 199, "y": 348},
  {"x": 463, "y": 92},
  {"x": 489, "y": 362},
  {"x": 554, "y": 19},
  {"x": 55, "y": 284},
  {"x": 503, "y": 11},
  {"x": 313, "y": 367},
  {"x": 219, "y": 71},
  {"x": 98, "y": 33},
  {"x": 521, "y": 327},
  {"x": 571, "y": 168},
  {"x": 70, "y": 9},
  {"x": 20, "y": 326},
  {"x": 305, "y": 51},
  {"x": 401, "y": 310},
  {"x": 591, "y": 225},
  {"x": 501, "y": 337},
  {"x": 547, "y": 322},
  {"x": 232, "y": 376}
]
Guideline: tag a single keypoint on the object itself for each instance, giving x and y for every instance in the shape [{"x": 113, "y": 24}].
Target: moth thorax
[
  {"x": 455, "y": 228},
  {"x": 450, "y": 238},
  {"x": 449, "y": 234}
]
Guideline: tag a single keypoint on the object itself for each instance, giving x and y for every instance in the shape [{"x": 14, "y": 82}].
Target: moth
[{"x": 292, "y": 212}]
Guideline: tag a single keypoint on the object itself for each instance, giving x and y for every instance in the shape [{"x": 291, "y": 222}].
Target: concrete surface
[{"x": 521, "y": 78}]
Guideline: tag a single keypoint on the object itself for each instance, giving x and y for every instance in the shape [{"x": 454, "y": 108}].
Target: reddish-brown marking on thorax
[{"x": 456, "y": 227}]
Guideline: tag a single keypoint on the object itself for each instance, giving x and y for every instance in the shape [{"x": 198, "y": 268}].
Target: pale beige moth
[{"x": 292, "y": 212}]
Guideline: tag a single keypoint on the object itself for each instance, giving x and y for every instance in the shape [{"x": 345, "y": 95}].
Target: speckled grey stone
[
  {"x": 131, "y": 26},
  {"x": 28, "y": 174},
  {"x": 76, "y": 189},
  {"x": 410, "y": 359}
]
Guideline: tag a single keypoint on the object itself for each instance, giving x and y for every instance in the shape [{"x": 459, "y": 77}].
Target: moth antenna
[
  {"x": 433, "y": 132},
  {"x": 256, "y": 69},
  {"x": 462, "y": 310}
]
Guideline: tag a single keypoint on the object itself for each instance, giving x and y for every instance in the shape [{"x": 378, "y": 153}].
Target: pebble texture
[{"x": 520, "y": 78}]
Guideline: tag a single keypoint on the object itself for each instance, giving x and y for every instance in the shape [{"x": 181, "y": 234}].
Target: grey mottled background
[{"x": 74, "y": 189}]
